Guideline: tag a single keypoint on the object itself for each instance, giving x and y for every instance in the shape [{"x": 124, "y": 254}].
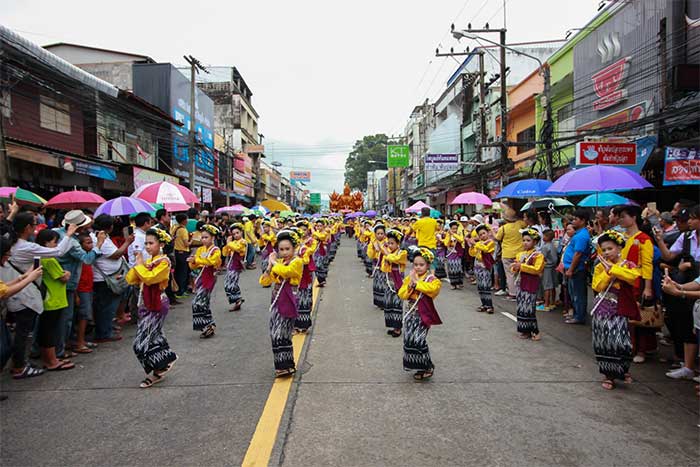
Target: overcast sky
[{"x": 323, "y": 73}]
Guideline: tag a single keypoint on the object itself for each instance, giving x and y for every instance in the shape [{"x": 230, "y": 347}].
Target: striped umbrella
[
  {"x": 21, "y": 195},
  {"x": 123, "y": 206},
  {"x": 172, "y": 196}
]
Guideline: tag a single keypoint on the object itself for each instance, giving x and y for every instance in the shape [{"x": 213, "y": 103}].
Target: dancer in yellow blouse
[
  {"x": 284, "y": 273},
  {"x": 393, "y": 266},
  {"x": 530, "y": 265},
  {"x": 152, "y": 276},
  {"x": 266, "y": 242},
  {"x": 235, "y": 250},
  {"x": 454, "y": 243},
  {"x": 321, "y": 254},
  {"x": 419, "y": 289},
  {"x": 307, "y": 248},
  {"x": 207, "y": 259},
  {"x": 482, "y": 252}
]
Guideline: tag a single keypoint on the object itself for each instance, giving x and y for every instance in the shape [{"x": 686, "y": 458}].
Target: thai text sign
[
  {"x": 682, "y": 166},
  {"x": 315, "y": 199},
  {"x": 397, "y": 156},
  {"x": 590, "y": 153},
  {"x": 300, "y": 176},
  {"x": 436, "y": 162}
]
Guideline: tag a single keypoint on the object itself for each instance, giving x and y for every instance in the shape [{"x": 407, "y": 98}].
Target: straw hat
[{"x": 510, "y": 215}]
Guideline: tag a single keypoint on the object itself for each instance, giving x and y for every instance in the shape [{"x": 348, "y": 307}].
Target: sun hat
[{"x": 76, "y": 217}]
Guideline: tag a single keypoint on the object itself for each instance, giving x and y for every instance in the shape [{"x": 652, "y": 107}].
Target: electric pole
[
  {"x": 4, "y": 156},
  {"x": 195, "y": 67},
  {"x": 548, "y": 128}
]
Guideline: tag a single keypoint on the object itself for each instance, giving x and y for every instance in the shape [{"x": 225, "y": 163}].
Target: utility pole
[
  {"x": 4, "y": 156},
  {"x": 482, "y": 104},
  {"x": 548, "y": 129},
  {"x": 504, "y": 105},
  {"x": 195, "y": 67}
]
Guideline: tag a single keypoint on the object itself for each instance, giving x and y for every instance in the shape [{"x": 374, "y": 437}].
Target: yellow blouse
[
  {"x": 266, "y": 238},
  {"x": 320, "y": 235},
  {"x": 399, "y": 257},
  {"x": 646, "y": 255},
  {"x": 158, "y": 274},
  {"x": 451, "y": 240},
  {"x": 477, "y": 251},
  {"x": 236, "y": 246},
  {"x": 431, "y": 289},
  {"x": 280, "y": 271},
  {"x": 601, "y": 278},
  {"x": 199, "y": 261},
  {"x": 308, "y": 252},
  {"x": 372, "y": 252},
  {"x": 536, "y": 268}
]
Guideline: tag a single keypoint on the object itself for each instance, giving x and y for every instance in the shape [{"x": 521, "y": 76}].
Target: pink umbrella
[
  {"x": 472, "y": 197},
  {"x": 417, "y": 207},
  {"x": 172, "y": 196},
  {"x": 75, "y": 200},
  {"x": 235, "y": 209}
]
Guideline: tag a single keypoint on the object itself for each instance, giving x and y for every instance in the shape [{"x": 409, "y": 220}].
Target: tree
[{"x": 367, "y": 154}]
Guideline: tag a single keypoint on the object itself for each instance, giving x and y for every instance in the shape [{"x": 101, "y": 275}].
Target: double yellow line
[{"x": 260, "y": 447}]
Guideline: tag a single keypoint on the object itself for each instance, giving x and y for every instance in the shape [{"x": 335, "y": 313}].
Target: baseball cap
[
  {"x": 682, "y": 215},
  {"x": 464, "y": 219}
]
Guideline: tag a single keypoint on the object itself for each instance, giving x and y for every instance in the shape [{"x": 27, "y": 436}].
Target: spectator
[
  {"x": 511, "y": 244},
  {"x": 602, "y": 221},
  {"x": 669, "y": 229},
  {"x": 84, "y": 292},
  {"x": 425, "y": 228},
  {"x": 109, "y": 263},
  {"x": 577, "y": 252},
  {"x": 181, "y": 245},
  {"x": 549, "y": 281},
  {"x": 164, "y": 223},
  {"x": 143, "y": 222}
]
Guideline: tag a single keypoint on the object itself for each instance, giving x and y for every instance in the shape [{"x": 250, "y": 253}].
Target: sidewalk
[{"x": 494, "y": 399}]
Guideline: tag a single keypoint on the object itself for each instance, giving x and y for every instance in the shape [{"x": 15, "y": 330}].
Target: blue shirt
[
  {"x": 74, "y": 259},
  {"x": 579, "y": 243}
]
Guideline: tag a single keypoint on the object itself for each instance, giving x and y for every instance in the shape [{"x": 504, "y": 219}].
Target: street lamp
[{"x": 544, "y": 71}]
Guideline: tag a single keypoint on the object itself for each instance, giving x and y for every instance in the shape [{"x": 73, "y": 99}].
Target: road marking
[
  {"x": 260, "y": 447},
  {"x": 509, "y": 316}
]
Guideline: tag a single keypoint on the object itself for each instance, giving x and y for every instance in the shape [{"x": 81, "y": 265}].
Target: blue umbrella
[
  {"x": 529, "y": 188},
  {"x": 597, "y": 200}
]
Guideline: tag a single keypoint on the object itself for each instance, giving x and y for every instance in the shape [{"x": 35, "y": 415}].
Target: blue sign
[{"x": 95, "y": 170}]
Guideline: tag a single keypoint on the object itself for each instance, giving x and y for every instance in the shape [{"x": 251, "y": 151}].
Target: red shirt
[{"x": 86, "y": 279}]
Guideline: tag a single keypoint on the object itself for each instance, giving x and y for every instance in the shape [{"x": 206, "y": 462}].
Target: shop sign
[
  {"x": 300, "y": 176},
  {"x": 143, "y": 176},
  {"x": 438, "y": 162},
  {"x": 315, "y": 199},
  {"x": 86, "y": 168},
  {"x": 253, "y": 148},
  {"x": 397, "y": 156},
  {"x": 594, "y": 153},
  {"x": 609, "y": 82},
  {"x": 682, "y": 166}
]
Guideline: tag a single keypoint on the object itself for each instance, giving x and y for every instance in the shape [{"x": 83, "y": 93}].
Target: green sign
[
  {"x": 397, "y": 156},
  {"x": 315, "y": 199}
]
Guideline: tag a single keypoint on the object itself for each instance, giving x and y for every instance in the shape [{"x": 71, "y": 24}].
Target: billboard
[
  {"x": 682, "y": 166},
  {"x": 397, "y": 156},
  {"x": 300, "y": 176},
  {"x": 437, "y": 162},
  {"x": 143, "y": 176},
  {"x": 315, "y": 199},
  {"x": 594, "y": 153}
]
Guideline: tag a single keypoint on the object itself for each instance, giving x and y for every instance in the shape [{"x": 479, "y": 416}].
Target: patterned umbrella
[
  {"x": 124, "y": 205},
  {"x": 75, "y": 200},
  {"x": 172, "y": 196},
  {"x": 21, "y": 195}
]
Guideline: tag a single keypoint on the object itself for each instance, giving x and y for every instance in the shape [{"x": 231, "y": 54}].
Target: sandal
[
  {"x": 608, "y": 384},
  {"x": 628, "y": 379},
  {"x": 394, "y": 333},
  {"x": 161, "y": 373},
  {"x": 421, "y": 375},
  {"x": 83, "y": 349},
  {"x": 150, "y": 381},
  {"x": 207, "y": 333},
  {"x": 536, "y": 337},
  {"x": 28, "y": 372},
  {"x": 62, "y": 365},
  {"x": 524, "y": 336},
  {"x": 489, "y": 310},
  {"x": 287, "y": 372}
]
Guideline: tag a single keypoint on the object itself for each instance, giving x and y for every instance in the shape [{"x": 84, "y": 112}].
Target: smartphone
[
  {"x": 130, "y": 229},
  {"x": 37, "y": 262}
]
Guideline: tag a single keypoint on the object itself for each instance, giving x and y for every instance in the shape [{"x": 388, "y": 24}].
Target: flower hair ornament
[
  {"x": 425, "y": 253},
  {"x": 530, "y": 232},
  {"x": 288, "y": 235},
  {"x": 613, "y": 236},
  {"x": 378, "y": 226},
  {"x": 160, "y": 234},
  {"x": 237, "y": 226},
  {"x": 395, "y": 234},
  {"x": 210, "y": 229}
]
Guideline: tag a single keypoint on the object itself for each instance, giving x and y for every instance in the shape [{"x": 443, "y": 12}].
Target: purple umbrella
[
  {"x": 371, "y": 213},
  {"x": 598, "y": 178},
  {"x": 123, "y": 206}
]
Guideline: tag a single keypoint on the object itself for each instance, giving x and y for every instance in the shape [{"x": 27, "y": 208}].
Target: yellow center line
[{"x": 260, "y": 447}]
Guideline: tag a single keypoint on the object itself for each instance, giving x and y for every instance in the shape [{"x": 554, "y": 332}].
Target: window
[
  {"x": 54, "y": 115},
  {"x": 527, "y": 136}
]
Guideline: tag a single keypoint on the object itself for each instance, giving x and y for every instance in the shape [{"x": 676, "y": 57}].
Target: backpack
[{"x": 683, "y": 277}]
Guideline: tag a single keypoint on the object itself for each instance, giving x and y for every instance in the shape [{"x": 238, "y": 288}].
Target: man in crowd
[
  {"x": 425, "y": 229},
  {"x": 181, "y": 244},
  {"x": 511, "y": 244},
  {"x": 143, "y": 222},
  {"x": 575, "y": 256}
]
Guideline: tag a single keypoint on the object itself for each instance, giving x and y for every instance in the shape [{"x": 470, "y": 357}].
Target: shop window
[
  {"x": 528, "y": 137},
  {"x": 54, "y": 115}
]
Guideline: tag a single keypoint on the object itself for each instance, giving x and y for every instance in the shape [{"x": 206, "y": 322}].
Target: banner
[
  {"x": 143, "y": 176},
  {"x": 682, "y": 166},
  {"x": 397, "y": 156},
  {"x": 437, "y": 162},
  {"x": 315, "y": 199},
  {"x": 300, "y": 176},
  {"x": 594, "y": 153}
]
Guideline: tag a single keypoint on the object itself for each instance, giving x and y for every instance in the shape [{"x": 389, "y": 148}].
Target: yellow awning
[{"x": 275, "y": 205}]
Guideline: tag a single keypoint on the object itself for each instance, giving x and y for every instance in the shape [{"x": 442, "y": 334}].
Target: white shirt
[
  {"x": 23, "y": 252},
  {"x": 103, "y": 263},
  {"x": 139, "y": 245},
  {"x": 677, "y": 247}
]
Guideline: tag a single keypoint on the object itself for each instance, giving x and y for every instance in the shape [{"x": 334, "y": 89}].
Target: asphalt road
[{"x": 494, "y": 399}]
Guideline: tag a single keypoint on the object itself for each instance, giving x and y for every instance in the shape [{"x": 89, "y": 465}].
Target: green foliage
[{"x": 368, "y": 154}]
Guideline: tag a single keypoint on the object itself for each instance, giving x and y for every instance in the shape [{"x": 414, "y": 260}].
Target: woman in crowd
[
  {"x": 235, "y": 250},
  {"x": 615, "y": 280},
  {"x": 320, "y": 256},
  {"x": 374, "y": 252},
  {"x": 305, "y": 294},
  {"x": 482, "y": 252},
  {"x": 393, "y": 266},
  {"x": 419, "y": 289},
  {"x": 151, "y": 276},
  {"x": 440, "y": 250},
  {"x": 284, "y": 271},
  {"x": 454, "y": 244},
  {"x": 529, "y": 264},
  {"x": 206, "y": 259},
  {"x": 266, "y": 242}
]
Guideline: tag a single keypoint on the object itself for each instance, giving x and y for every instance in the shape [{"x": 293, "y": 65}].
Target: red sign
[
  {"x": 592, "y": 153},
  {"x": 682, "y": 166},
  {"x": 608, "y": 84}
]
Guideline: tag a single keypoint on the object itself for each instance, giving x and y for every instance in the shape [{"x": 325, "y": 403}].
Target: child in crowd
[
  {"x": 549, "y": 279},
  {"x": 482, "y": 251},
  {"x": 235, "y": 249},
  {"x": 55, "y": 302},
  {"x": 305, "y": 294},
  {"x": 419, "y": 289},
  {"x": 529, "y": 265},
  {"x": 454, "y": 243},
  {"x": 374, "y": 251},
  {"x": 285, "y": 273},
  {"x": 84, "y": 299},
  {"x": 206, "y": 259},
  {"x": 393, "y": 267},
  {"x": 152, "y": 277},
  {"x": 615, "y": 281}
]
